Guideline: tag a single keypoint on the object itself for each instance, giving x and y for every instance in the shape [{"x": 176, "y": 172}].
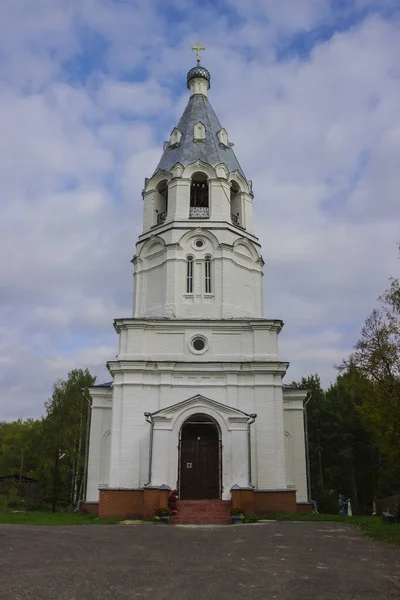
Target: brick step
[
  {"x": 193, "y": 521},
  {"x": 202, "y": 511},
  {"x": 209, "y": 502},
  {"x": 204, "y": 508},
  {"x": 198, "y": 504}
]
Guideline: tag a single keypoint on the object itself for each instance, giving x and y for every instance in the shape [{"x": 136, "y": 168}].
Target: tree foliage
[
  {"x": 354, "y": 426},
  {"x": 341, "y": 456},
  {"x": 377, "y": 360},
  {"x": 33, "y": 448}
]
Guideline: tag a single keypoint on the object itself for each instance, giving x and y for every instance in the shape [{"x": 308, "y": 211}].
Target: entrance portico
[{"x": 220, "y": 459}]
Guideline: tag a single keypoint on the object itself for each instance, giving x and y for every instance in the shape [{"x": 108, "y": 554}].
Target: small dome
[{"x": 198, "y": 71}]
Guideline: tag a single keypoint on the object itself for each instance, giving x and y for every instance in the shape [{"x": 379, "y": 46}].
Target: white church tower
[{"x": 197, "y": 401}]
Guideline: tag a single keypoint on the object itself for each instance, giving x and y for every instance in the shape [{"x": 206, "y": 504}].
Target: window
[
  {"x": 199, "y": 207},
  {"x": 198, "y": 344},
  {"x": 199, "y": 132},
  {"x": 207, "y": 275},
  {"x": 236, "y": 205},
  {"x": 175, "y": 137},
  {"x": 161, "y": 201},
  {"x": 189, "y": 275},
  {"x": 223, "y": 137}
]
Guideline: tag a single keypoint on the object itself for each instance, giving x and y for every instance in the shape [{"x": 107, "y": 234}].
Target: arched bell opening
[
  {"x": 236, "y": 205},
  {"x": 200, "y": 459},
  {"x": 199, "y": 197},
  {"x": 161, "y": 201}
]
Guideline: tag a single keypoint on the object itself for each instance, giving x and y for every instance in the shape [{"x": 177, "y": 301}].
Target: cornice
[
  {"x": 206, "y": 224},
  {"x": 214, "y": 367},
  {"x": 228, "y": 324}
]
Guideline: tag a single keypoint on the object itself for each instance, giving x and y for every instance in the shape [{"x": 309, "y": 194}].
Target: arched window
[
  {"x": 236, "y": 216},
  {"x": 189, "y": 275},
  {"x": 161, "y": 202},
  {"x": 207, "y": 275},
  {"x": 199, "y": 207}
]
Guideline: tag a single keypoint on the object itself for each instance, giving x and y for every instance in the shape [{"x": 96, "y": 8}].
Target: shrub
[
  {"x": 163, "y": 512},
  {"x": 236, "y": 511},
  {"x": 251, "y": 519}
]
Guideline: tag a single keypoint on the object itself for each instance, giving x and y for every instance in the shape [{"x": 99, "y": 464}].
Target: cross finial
[{"x": 198, "y": 47}]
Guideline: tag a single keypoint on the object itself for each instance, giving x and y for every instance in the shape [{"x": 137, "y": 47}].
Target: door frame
[{"x": 220, "y": 449}]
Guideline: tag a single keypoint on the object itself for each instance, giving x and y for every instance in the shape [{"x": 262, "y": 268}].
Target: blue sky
[{"x": 309, "y": 93}]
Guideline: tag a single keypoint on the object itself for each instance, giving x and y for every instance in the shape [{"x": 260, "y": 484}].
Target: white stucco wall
[
  {"x": 153, "y": 386},
  {"x": 160, "y": 275},
  {"x": 99, "y": 441},
  {"x": 251, "y": 386},
  {"x": 170, "y": 340},
  {"x": 296, "y": 469}
]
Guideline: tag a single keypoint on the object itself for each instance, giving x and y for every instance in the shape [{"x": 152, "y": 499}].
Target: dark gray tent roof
[{"x": 188, "y": 151}]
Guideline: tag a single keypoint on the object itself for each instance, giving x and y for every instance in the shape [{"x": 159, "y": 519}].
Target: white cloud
[
  {"x": 319, "y": 137},
  {"x": 140, "y": 99}
]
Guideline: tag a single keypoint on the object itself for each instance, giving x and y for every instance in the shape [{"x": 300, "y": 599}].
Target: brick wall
[
  {"x": 121, "y": 504},
  {"x": 243, "y": 499},
  {"x": 89, "y": 508},
  {"x": 153, "y": 499},
  {"x": 304, "y": 507},
  {"x": 275, "y": 501},
  {"x": 268, "y": 501},
  {"x": 124, "y": 504}
]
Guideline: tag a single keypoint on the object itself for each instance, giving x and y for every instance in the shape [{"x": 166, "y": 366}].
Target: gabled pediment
[{"x": 200, "y": 403}]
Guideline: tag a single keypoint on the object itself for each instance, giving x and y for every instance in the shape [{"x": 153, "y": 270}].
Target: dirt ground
[{"x": 277, "y": 561}]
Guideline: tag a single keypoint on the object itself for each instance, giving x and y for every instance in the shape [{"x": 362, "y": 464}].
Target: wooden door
[{"x": 199, "y": 462}]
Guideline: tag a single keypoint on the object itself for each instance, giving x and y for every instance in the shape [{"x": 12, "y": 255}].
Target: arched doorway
[{"x": 200, "y": 459}]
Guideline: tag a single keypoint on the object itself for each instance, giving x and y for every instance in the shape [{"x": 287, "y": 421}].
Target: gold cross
[{"x": 198, "y": 47}]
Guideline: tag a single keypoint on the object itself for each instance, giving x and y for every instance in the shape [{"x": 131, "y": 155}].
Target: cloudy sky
[{"x": 309, "y": 91}]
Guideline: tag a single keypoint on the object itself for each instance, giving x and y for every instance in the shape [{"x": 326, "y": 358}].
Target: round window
[
  {"x": 199, "y": 344},
  {"x": 199, "y": 243}
]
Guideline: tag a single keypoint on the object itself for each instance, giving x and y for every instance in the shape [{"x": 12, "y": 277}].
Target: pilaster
[
  {"x": 178, "y": 199},
  {"x": 220, "y": 205}
]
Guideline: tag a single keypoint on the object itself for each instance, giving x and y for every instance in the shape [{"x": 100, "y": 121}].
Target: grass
[
  {"x": 373, "y": 527},
  {"x": 49, "y": 518}
]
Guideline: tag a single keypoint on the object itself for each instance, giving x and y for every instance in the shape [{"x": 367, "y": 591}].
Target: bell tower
[
  {"x": 196, "y": 400},
  {"x": 198, "y": 256}
]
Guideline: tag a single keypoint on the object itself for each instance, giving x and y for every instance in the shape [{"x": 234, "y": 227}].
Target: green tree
[
  {"x": 351, "y": 455},
  {"x": 341, "y": 455},
  {"x": 20, "y": 447},
  {"x": 64, "y": 430},
  {"x": 377, "y": 359}
]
